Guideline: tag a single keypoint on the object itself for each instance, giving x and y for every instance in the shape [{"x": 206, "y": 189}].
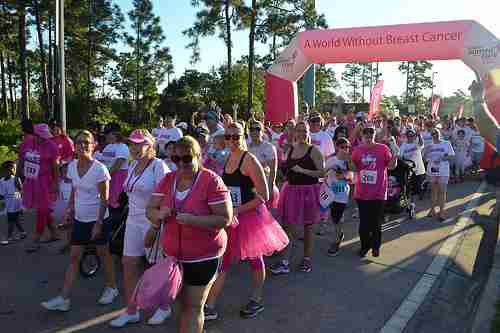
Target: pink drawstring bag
[{"x": 159, "y": 285}]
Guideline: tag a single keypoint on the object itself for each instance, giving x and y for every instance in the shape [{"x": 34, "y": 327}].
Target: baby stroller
[{"x": 398, "y": 194}]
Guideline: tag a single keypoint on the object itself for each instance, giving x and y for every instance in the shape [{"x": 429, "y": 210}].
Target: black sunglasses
[
  {"x": 185, "y": 159},
  {"x": 255, "y": 129},
  {"x": 234, "y": 137}
]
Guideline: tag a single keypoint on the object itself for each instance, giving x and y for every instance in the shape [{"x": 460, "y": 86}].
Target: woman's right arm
[{"x": 155, "y": 212}]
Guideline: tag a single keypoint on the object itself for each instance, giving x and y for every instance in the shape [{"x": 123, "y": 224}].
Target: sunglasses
[
  {"x": 255, "y": 129},
  {"x": 434, "y": 133},
  {"x": 186, "y": 159},
  {"x": 343, "y": 146},
  {"x": 315, "y": 120},
  {"x": 84, "y": 142},
  {"x": 234, "y": 137}
]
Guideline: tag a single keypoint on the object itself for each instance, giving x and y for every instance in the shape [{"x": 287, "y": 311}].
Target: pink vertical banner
[
  {"x": 460, "y": 111},
  {"x": 436, "y": 102},
  {"x": 375, "y": 99}
]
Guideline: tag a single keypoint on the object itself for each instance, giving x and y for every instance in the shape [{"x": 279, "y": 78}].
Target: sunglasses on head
[
  {"x": 234, "y": 137},
  {"x": 185, "y": 159}
]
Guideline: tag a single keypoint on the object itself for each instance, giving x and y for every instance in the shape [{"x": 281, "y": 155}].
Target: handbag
[{"x": 155, "y": 252}]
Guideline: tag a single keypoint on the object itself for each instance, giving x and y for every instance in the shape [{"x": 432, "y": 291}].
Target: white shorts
[{"x": 135, "y": 232}]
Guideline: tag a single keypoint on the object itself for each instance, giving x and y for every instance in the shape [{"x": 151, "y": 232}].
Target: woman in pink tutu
[
  {"x": 38, "y": 165},
  {"x": 299, "y": 198},
  {"x": 268, "y": 158},
  {"x": 195, "y": 206},
  {"x": 257, "y": 234}
]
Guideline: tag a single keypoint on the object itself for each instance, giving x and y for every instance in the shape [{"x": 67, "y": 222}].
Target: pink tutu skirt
[
  {"x": 299, "y": 204},
  {"x": 257, "y": 234},
  {"x": 116, "y": 187},
  {"x": 273, "y": 204}
]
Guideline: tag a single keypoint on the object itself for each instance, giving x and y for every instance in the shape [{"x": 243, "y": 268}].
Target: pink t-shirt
[
  {"x": 371, "y": 176},
  {"x": 189, "y": 242},
  {"x": 65, "y": 147},
  {"x": 38, "y": 177}
]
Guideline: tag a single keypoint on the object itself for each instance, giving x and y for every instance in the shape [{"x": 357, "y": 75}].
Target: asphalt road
[{"x": 343, "y": 294}]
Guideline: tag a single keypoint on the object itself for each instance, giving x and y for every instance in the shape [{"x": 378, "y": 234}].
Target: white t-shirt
[
  {"x": 323, "y": 141},
  {"x": 139, "y": 187},
  {"x": 467, "y": 130},
  {"x": 264, "y": 152},
  {"x": 86, "y": 190},
  {"x": 111, "y": 153},
  {"x": 427, "y": 138},
  {"x": 170, "y": 166},
  {"x": 11, "y": 194},
  {"x": 434, "y": 154},
  {"x": 156, "y": 131},
  {"x": 413, "y": 152},
  {"x": 476, "y": 142}
]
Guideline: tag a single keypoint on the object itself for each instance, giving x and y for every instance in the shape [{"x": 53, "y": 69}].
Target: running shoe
[
  {"x": 57, "y": 304},
  {"x": 160, "y": 316},
  {"x": 251, "y": 310},
  {"x": 333, "y": 251},
  {"x": 108, "y": 296},
  {"x": 124, "y": 319},
  {"x": 280, "y": 268},
  {"x": 305, "y": 266},
  {"x": 362, "y": 253},
  {"x": 210, "y": 314}
]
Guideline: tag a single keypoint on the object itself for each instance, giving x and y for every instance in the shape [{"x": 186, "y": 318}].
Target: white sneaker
[
  {"x": 160, "y": 316},
  {"x": 108, "y": 296},
  {"x": 125, "y": 319},
  {"x": 57, "y": 304}
]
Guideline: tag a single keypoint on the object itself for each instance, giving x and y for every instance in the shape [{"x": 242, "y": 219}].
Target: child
[
  {"x": 10, "y": 190},
  {"x": 169, "y": 151},
  {"x": 461, "y": 146},
  {"x": 59, "y": 208},
  {"x": 338, "y": 182}
]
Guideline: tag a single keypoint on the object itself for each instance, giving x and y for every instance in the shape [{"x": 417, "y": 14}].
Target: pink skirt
[
  {"x": 299, "y": 204},
  {"x": 273, "y": 204},
  {"x": 257, "y": 234},
  {"x": 116, "y": 187}
]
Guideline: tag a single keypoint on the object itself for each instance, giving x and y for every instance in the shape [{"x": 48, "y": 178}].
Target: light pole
[
  {"x": 432, "y": 87},
  {"x": 62, "y": 76},
  {"x": 310, "y": 75}
]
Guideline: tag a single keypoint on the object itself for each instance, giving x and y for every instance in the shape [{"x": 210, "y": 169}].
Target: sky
[{"x": 178, "y": 15}]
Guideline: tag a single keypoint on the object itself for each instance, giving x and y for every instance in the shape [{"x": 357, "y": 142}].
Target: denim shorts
[{"x": 81, "y": 233}]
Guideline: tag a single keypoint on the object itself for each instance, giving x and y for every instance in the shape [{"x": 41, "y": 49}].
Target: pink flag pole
[{"x": 375, "y": 99}]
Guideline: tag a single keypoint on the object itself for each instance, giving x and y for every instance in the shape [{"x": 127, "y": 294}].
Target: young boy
[{"x": 10, "y": 190}]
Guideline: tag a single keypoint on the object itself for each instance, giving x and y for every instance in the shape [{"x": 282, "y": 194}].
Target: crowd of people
[{"x": 217, "y": 191}]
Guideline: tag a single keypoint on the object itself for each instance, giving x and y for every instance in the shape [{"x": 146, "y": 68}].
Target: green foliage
[
  {"x": 418, "y": 78},
  {"x": 7, "y": 154},
  {"x": 10, "y": 133}
]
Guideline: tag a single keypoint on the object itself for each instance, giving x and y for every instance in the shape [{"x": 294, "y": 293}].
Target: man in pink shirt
[
  {"x": 63, "y": 142},
  {"x": 370, "y": 161}
]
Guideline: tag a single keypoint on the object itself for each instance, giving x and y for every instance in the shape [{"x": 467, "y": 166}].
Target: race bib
[
  {"x": 368, "y": 177},
  {"x": 31, "y": 170},
  {"x": 235, "y": 195},
  {"x": 326, "y": 196},
  {"x": 435, "y": 167}
]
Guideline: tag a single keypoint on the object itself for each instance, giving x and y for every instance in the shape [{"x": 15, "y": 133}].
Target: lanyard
[{"x": 129, "y": 188}]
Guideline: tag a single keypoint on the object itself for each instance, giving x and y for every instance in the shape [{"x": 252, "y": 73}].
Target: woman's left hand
[{"x": 96, "y": 230}]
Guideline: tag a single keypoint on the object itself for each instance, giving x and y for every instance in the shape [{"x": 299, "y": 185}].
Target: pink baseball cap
[
  {"x": 43, "y": 131},
  {"x": 138, "y": 137}
]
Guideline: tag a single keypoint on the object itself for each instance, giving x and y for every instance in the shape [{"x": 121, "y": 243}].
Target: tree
[
  {"x": 326, "y": 83},
  {"x": 43, "y": 67},
  {"x": 21, "y": 12},
  {"x": 418, "y": 79},
  {"x": 351, "y": 77},
  {"x": 151, "y": 59}
]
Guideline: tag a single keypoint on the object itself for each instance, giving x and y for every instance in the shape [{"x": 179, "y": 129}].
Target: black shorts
[
  {"x": 81, "y": 233},
  {"x": 337, "y": 211},
  {"x": 200, "y": 273}
]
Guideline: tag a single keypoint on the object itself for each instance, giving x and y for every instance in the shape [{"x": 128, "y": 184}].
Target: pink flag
[
  {"x": 460, "y": 110},
  {"x": 375, "y": 99},
  {"x": 436, "y": 101}
]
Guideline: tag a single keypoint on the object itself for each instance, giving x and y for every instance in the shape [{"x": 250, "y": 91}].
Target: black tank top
[
  {"x": 241, "y": 187},
  {"x": 306, "y": 162}
]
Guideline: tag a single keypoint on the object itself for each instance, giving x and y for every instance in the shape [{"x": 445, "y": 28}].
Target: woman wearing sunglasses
[
  {"x": 438, "y": 155},
  {"x": 89, "y": 214},
  {"x": 257, "y": 233},
  {"x": 144, "y": 174},
  {"x": 195, "y": 207},
  {"x": 299, "y": 198},
  {"x": 266, "y": 155}
]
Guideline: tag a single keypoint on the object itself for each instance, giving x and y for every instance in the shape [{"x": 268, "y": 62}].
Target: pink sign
[
  {"x": 436, "y": 102},
  {"x": 375, "y": 99}
]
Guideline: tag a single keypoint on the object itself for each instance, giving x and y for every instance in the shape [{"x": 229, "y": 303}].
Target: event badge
[
  {"x": 31, "y": 170},
  {"x": 368, "y": 177}
]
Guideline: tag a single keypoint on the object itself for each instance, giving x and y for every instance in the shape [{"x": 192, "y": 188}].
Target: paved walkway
[{"x": 344, "y": 293}]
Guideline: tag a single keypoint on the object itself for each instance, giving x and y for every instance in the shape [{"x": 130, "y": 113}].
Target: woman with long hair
[
  {"x": 257, "y": 233},
  {"x": 299, "y": 197}
]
